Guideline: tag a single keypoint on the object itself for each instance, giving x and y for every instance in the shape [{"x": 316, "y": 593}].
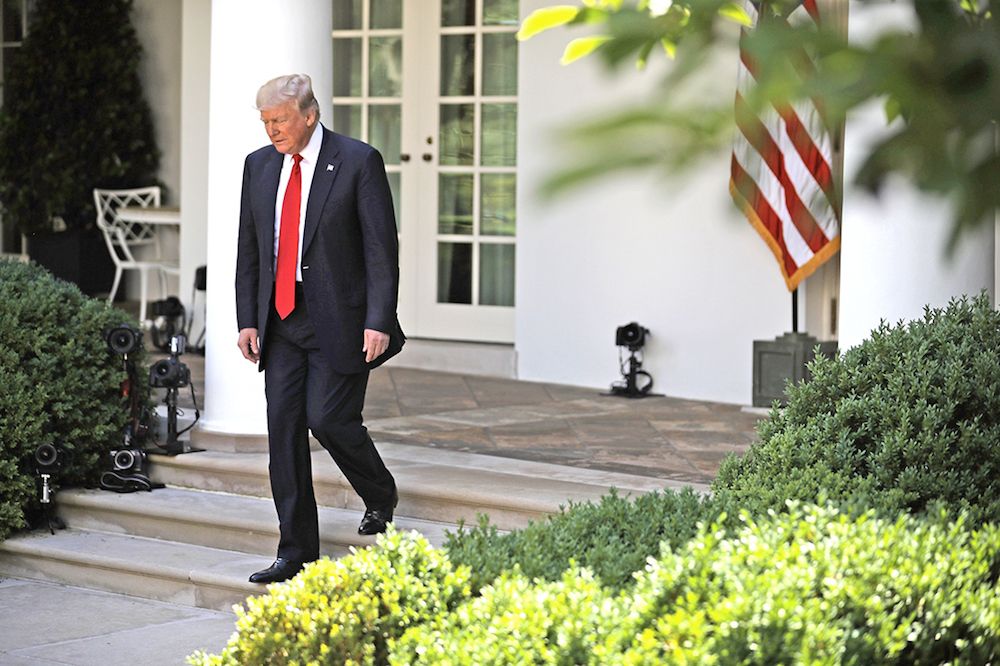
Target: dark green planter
[
  {"x": 777, "y": 361},
  {"x": 78, "y": 256}
]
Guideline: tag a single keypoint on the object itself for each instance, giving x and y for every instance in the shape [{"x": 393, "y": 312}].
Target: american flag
[{"x": 781, "y": 174}]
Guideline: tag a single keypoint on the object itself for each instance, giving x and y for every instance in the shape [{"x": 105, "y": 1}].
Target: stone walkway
[
  {"x": 667, "y": 438},
  {"x": 670, "y": 438}
]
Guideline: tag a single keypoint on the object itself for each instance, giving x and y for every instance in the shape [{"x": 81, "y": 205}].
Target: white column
[
  {"x": 893, "y": 251},
  {"x": 251, "y": 41},
  {"x": 196, "y": 21}
]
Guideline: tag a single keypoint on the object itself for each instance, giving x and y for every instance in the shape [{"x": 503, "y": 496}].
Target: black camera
[
  {"x": 631, "y": 335},
  {"x": 46, "y": 458},
  {"x": 171, "y": 372},
  {"x": 128, "y": 461},
  {"x": 123, "y": 339}
]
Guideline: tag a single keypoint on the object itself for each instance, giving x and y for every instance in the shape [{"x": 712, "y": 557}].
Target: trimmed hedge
[
  {"x": 811, "y": 585},
  {"x": 346, "y": 611},
  {"x": 613, "y": 538},
  {"x": 60, "y": 385},
  {"x": 908, "y": 419}
]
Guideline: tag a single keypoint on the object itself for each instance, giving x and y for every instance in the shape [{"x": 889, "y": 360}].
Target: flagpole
[{"x": 795, "y": 310}]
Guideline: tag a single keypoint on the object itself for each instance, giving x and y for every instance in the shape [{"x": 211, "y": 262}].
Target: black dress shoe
[
  {"x": 376, "y": 520},
  {"x": 278, "y": 572}
]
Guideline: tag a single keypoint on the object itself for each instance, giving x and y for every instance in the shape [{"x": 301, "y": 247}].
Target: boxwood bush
[
  {"x": 907, "y": 419},
  {"x": 612, "y": 537},
  {"x": 346, "y": 611},
  {"x": 809, "y": 585},
  {"x": 60, "y": 385}
]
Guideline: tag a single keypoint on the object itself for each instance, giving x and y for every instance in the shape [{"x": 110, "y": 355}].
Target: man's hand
[
  {"x": 376, "y": 342},
  {"x": 248, "y": 344}
]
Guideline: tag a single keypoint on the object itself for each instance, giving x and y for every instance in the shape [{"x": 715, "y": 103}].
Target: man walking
[{"x": 317, "y": 278}]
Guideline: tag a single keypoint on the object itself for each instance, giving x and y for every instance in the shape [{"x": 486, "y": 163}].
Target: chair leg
[
  {"x": 143, "y": 284},
  {"x": 114, "y": 285}
]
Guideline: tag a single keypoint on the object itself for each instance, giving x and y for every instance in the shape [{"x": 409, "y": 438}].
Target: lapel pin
[{"x": 329, "y": 167}]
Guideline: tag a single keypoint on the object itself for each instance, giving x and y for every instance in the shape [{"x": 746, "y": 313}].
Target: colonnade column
[
  {"x": 893, "y": 250},
  {"x": 252, "y": 41}
]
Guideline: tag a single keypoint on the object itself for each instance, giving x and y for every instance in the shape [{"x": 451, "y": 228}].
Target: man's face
[{"x": 287, "y": 127}]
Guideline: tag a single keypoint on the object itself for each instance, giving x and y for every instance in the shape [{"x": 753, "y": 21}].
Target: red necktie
[{"x": 288, "y": 243}]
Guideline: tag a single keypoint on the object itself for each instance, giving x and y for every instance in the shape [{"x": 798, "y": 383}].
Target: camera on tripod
[{"x": 171, "y": 372}]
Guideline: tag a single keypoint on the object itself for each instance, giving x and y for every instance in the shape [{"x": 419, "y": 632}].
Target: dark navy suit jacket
[{"x": 350, "y": 255}]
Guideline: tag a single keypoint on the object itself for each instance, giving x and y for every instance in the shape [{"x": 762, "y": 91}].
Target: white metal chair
[{"x": 122, "y": 238}]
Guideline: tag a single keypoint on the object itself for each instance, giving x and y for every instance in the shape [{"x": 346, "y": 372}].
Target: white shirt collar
[{"x": 310, "y": 153}]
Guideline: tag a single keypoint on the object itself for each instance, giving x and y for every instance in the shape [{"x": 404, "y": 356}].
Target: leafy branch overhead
[{"x": 934, "y": 69}]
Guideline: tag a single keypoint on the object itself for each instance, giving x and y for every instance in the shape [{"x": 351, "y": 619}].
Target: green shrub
[
  {"x": 907, "y": 419},
  {"x": 346, "y": 611},
  {"x": 60, "y": 385},
  {"x": 517, "y": 622},
  {"x": 612, "y": 538},
  {"x": 811, "y": 585},
  {"x": 815, "y": 586}
]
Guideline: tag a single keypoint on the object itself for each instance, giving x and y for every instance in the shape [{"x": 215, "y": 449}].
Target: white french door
[{"x": 433, "y": 85}]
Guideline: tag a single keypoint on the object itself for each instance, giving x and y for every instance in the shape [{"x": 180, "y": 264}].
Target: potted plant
[{"x": 74, "y": 118}]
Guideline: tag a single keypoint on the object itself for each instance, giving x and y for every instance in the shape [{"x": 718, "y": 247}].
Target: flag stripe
[
  {"x": 780, "y": 173},
  {"x": 759, "y": 137}
]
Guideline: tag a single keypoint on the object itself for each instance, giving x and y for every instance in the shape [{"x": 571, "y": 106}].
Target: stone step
[
  {"x": 441, "y": 486},
  {"x": 216, "y": 520},
  {"x": 139, "y": 566}
]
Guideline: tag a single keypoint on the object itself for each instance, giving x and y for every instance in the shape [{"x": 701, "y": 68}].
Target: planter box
[
  {"x": 777, "y": 361},
  {"x": 78, "y": 256}
]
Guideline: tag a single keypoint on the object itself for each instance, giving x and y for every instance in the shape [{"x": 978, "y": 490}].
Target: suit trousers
[{"x": 304, "y": 393}]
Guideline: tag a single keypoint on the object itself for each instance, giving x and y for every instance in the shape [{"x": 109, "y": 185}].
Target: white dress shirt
[{"x": 308, "y": 167}]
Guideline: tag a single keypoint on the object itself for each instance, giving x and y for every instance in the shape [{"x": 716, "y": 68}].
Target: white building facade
[{"x": 465, "y": 117}]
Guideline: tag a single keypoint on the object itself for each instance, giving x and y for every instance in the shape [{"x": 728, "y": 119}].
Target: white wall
[{"x": 674, "y": 255}]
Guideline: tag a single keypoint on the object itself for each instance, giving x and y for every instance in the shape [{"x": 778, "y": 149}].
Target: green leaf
[
  {"x": 669, "y": 47},
  {"x": 581, "y": 47},
  {"x": 736, "y": 13},
  {"x": 546, "y": 18},
  {"x": 892, "y": 109}
]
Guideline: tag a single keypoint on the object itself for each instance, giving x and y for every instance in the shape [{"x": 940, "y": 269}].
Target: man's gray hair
[{"x": 297, "y": 87}]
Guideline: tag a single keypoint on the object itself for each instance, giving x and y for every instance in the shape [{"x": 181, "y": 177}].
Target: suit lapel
[
  {"x": 327, "y": 168},
  {"x": 266, "y": 197}
]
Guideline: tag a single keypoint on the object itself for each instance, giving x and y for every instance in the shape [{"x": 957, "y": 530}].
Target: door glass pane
[
  {"x": 347, "y": 67},
  {"x": 454, "y": 273},
  {"x": 347, "y": 119},
  {"x": 12, "y": 21},
  {"x": 346, "y": 14},
  {"x": 500, "y": 12},
  {"x": 499, "y": 135},
  {"x": 499, "y": 64},
  {"x": 384, "y": 130},
  {"x": 458, "y": 53},
  {"x": 386, "y": 62},
  {"x": 455, "y": 203},
  {"x": 394, "y": 182},
  {"x": 497, "y": 194},
  {"x": 386, "y": 14},
  {"x": 496, "y": 274},
  {"x": 458, "y": 12},
  {"x": 457, "y": 130}
]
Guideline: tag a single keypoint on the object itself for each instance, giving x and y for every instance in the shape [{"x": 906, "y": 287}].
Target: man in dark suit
[{"x": 317, "y": 278}]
